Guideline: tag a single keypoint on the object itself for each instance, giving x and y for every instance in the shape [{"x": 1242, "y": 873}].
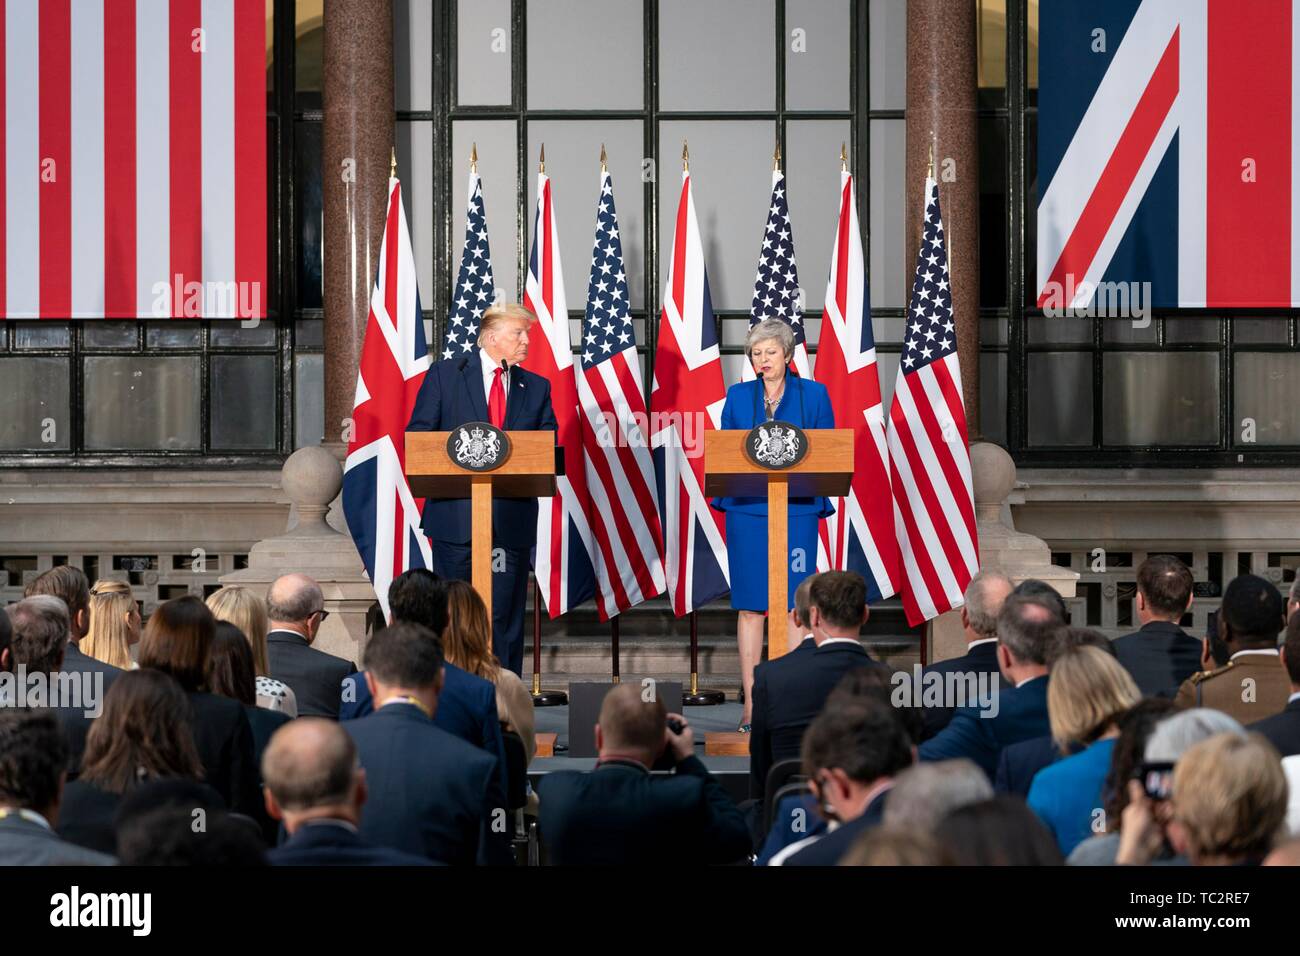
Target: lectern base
[{"x": 550, "y": 698}]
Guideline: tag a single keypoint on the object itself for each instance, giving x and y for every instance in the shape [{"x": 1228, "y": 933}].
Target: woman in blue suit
[{"x": 773, "y": 395}]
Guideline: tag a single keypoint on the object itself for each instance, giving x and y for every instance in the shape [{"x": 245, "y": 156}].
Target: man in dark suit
[
  {"x": 851, "y": 754},
  {"x": 71, "y": 586},
  {"x": 1283, "y": 729},
  {"x": 32, "y": 761},
  {"x": 316, "y": 787},
  {"x": 296, "y": 608},
  {"x": 620, "y": 813},
  {"x": 1028, "y": 628},
  {"x": 488, "y": 384},
  {"x": 789, "y": 692},
  {"x": 1160, "y": 656},
  {"x": 430, "y": 792},
  {"x": 979, "y": 621}
]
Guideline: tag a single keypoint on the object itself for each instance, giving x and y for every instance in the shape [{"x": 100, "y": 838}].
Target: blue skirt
[{"x": 747, "y": 557}]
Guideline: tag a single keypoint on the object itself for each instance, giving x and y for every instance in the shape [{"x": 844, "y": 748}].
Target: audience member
[
  {"x": 898, "y": 845},
  {"x": 621, "y": 814},
  {"x": 70, "y": 586},
  {"x": 1001, "y": 831},
  {"x": 1282, "y": 730},
  {"x": 1027, "y": 626},
  {"x": 1250, "y": 618},
  {"x": 926, "y": 793},
  {"x": 979, "y": 621},
  {"x": 1035, "y": 590},
  {"x": 433, "y": 793},
  {"x": 6, "y": 642},
  {"x": 32, "y": 761},
  {"x": 231, "y": 674},
  {"x": 114, "y": 624},
  {"x": 851, "y": 755},
  {"x": 789, "y": 692},
  {"x": 244, "y": 609},
  {"x": 1161, "y": 655},
  {"x": 296, "y": 609},
  {"x": 168, "y": 837},
  {"x": 1293, "y": 597},
  {"x": 145, "y": 733},
  {"x": 799, "y": 616},
  {"x": 1086, "y": 696},
  {"x": 178, "y": 641},
  {"x": 316, "y": 786}
]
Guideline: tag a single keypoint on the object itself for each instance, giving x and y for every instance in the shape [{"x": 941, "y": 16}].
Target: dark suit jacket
[
  {"x": 86, "y": 816},
  {"x": 263, "y": 723},
  {"x": 334, "y": 843},
  {"x": 1022, "y": 715},
  {"x": 830, "y": 849},
  {"x": 620, "y": 814},
  {"x": 1018, "y": 763},
  {"x": 452, "y": 394},
  {"x": 982, "y": 659},
  {"x": 312, "y": 675},
  {"x": 788, "y": 694},
  {"x": 1282, "y": 730},
  {"x": 73, "y": 720},
  {"x": 430, "y": 792},
  {"x": 1159, "y": 657},
  {"x": 25, "y": 843},
  {"x": 224, "y": 739}
]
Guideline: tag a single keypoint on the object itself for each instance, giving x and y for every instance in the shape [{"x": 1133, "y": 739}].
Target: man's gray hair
[
  {"x": 1175, "y": 735},
  {"x": 771, "y": 329},
  {"x": 981, "y": 611},
  {"x": 292, "y": 598},
  {"x": 40, "y": 632},
  {"x": 925, "y": 793}
]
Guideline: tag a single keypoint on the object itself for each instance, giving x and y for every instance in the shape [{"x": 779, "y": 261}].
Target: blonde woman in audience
[
  {"x": 247, "y": 611},
  {"x": 114, "y": 624},
  {"x": 467, "y": 643}
]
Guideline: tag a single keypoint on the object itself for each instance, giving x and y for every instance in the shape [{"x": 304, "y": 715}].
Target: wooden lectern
[
  {"x": 826, "y": 469},
  {"x": 527, "y": 472}
]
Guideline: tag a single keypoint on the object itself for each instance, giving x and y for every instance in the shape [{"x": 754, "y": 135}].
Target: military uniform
[{"x": 1251, "y": 686}]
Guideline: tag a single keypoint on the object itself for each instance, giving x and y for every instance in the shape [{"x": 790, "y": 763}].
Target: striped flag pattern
[
  {"x": 475, "y": 290},
  {"x": 777, "y": 294},
  {"x": 928, "y": 446},
  {"x": 134, "y": 159}
]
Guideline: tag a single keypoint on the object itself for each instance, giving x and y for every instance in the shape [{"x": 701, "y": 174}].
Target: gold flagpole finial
[
  {"x": 473, "y": 157},
  {"x": 686, "y": 158},
  {"x": 776, "y": 156},
  {"x": 541, "y": 160},
  {"x": 603, "y": 165},
  {"x": 929, "y": 166},
  {"x": 844, "y": 158},
  {"x": 392, "y": 165}
]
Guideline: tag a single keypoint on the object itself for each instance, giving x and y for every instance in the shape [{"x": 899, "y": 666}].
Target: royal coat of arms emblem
[
  {"x": 776, "y": 445},
  {"x": 478, "y": 446}
]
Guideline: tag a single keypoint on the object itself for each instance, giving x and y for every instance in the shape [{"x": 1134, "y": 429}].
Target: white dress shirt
[{"x": 489, "y": 372}]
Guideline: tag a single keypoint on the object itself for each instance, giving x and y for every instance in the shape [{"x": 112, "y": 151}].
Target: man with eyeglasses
[{"x": 296, "y": 610}]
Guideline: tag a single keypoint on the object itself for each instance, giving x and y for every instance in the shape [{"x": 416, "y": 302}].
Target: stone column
[
  {"x": 941, "y": 88},
  {"x": 358, "y": 143}
]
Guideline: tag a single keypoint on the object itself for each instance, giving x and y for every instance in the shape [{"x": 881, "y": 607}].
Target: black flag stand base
[
  {"x": 542, "y": 698},
  {"x": 695, "y": 697}
]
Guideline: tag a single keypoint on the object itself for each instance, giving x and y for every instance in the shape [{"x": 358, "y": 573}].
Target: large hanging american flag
[
  {"x": 383, "y": 516},
  {"x": 563, "y": 561},
  {"x": 134, "y": 158},
  {"x": 686, "y": 399},
  {"x": 776, "y": 287},
  {"x": 475, "y": 290},
  {"x": 927, "y": 440},
  {"x": 859, "y": 536},
  {"x": 624, "y": 514}
]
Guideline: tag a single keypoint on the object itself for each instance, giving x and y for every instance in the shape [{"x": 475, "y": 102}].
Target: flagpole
[
  {"x": 542, "y": 698},
  {"x": 696, "y": 696},
  {"x": 613, "y": 640}
]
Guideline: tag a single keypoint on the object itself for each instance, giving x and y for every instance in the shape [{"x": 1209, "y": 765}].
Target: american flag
[
  {"x": 563, "y": 561},
  {"x": 134, "y": 159},
  {"x": 927, "y": 440},
  {"x": 474, "y": 290},
  {"x": 686, "y": 399},
  {"x": 624, "y": 514},
  {"x": 382, "y": 515},
  {"x": 777, "y": 294},
  {"x": 859, "y": 536}
]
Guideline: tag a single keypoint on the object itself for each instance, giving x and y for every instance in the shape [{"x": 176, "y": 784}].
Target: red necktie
[{"x": 497, "y": 400}]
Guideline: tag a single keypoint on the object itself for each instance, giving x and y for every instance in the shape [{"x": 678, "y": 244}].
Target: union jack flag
[
  {"x": 1165, "y": 154},
  {"x": 777, "y": 294},
  {"x": 859, "y": 536},
  {"x": 475, "y": 290},
  {"x": 563, "y": 561},
  {"x": 686, "y": 399},
  {"x": 382, "y": 515},
  {"x": 927, "y": 440},
  {"x": 620, "y": 475}
]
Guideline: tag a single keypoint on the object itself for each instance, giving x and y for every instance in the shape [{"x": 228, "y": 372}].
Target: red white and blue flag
[
  {"x": 686, "y": 400},
  {"x": 928, "y": 447},
  {"x": 475, "y": 290},
  {"x": 564, "y": 559},
  {"x": 1166, "y": 153},
  {"x": 624, "y": 514},
  {"x": 777, "y": 294},
  {"x": 382, "y": 514}
]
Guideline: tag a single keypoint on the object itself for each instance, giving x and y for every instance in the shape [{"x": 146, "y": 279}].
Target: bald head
[
  {"x": 294, "y": 602},
  {"x": 983, "y": 602},
  {"x": 632, "y": 726},
  {"x": 310, "y": 764}
]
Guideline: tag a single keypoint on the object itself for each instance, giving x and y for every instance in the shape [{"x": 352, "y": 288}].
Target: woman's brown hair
[
  {"x": 145, "y": 732},
  {"x": 178, "y": 641},
  {"x": 230, "y": 667},
  {"x": 467, "y": 642}
]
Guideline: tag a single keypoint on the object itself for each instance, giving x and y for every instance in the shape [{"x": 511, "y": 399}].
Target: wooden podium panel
[{"x": 528, "y": 473}]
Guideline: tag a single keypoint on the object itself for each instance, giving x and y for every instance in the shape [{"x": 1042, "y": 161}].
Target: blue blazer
[
  {"x": 452, "y": 394},
  {"x": 1022, "y": 715},
  {"x": 805, "y": 403},
  {"x": 328, "y": 843}
]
